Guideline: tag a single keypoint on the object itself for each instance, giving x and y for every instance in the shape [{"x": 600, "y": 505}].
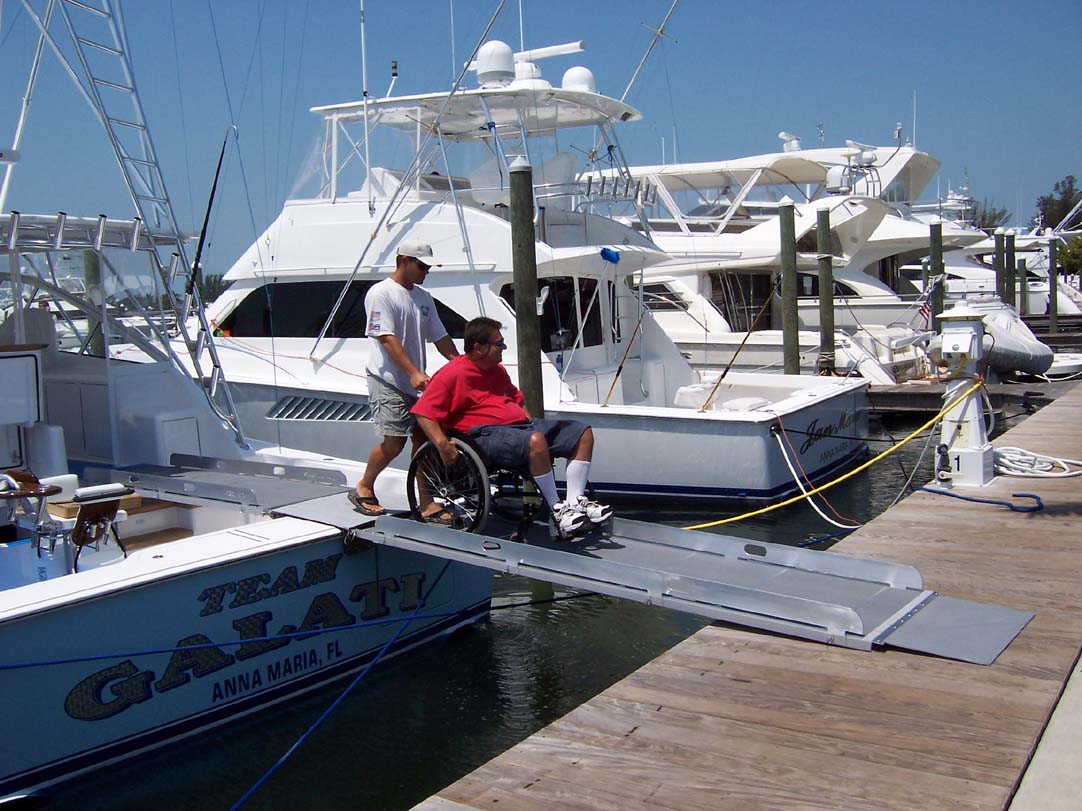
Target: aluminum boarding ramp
[{"x": 823, "y": 596}]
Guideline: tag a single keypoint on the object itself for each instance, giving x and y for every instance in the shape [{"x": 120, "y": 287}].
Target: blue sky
[{"x": 995, "y": 83}]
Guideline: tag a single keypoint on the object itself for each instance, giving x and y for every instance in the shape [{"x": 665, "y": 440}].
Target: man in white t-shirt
[{"x": 401, "y": 318}]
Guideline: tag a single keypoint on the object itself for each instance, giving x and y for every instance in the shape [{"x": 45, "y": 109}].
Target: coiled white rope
[{"x": 1011, "y": 461}]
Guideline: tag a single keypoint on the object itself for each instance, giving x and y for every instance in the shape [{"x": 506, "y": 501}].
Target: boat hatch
[{"x": 823, "y": 596}]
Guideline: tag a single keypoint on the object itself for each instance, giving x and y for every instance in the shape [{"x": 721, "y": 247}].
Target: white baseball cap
[{"x": 421, "y": 251}]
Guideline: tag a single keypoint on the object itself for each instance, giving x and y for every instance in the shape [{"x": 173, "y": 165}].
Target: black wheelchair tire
[{"x": 462, "y": 490}]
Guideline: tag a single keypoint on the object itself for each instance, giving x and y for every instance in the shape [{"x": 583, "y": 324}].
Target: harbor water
[{"x": 423, "y": 720}]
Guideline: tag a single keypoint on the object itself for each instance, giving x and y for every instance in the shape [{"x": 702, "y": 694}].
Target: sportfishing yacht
[
  {"x": 291, "y": 325},
  {"x": 155, "y": 580},
  {"x": 147, "y": 590}
]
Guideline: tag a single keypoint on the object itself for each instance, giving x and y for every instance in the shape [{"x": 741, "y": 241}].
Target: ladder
[{"x": 102, "y": 73}]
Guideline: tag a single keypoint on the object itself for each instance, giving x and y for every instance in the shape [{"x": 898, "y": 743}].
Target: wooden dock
[
  {"x": 926, "y": 397},
  {"x": 746, "y": 720}
]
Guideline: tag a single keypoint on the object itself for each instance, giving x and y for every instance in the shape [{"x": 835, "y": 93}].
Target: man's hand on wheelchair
[
  {"x": 448, "y": 452},
  {"x": 419, "y": 380}
]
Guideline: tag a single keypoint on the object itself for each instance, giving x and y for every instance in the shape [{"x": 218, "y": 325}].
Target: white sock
[
  {"x": 546, "y": 483},
  {"x": 578, "y": 473}
]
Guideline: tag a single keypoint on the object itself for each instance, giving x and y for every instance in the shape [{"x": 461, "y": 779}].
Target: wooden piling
[
  {"x": 524, "y": 264},
  {"x": 936, "y": 255},
  {"x": 1053, "y": 286},
  {"x": 790, "y": 323},
  {"x": 1008, "y": 266},
  {"x": 999, "y": 262},
  {"x": 826, "y": 293}
]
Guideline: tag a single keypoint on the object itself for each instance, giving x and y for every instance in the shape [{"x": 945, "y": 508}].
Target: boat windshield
[{"x": 82, "y": 286}]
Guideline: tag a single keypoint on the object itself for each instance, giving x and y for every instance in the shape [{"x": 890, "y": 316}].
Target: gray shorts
[{"x": 390, "y": 409}]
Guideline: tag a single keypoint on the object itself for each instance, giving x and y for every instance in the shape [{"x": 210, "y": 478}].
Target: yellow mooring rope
[{"x": 851, "y": 473}]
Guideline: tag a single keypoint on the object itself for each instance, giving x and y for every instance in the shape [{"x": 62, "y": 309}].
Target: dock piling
[
  {"x": 1053, "y": 287},
  {"x": 790, "y": 324},
  {"x": 1008, "y": 266},
  {"x": 1000, "y": 263},
  {"x": 938, "y": 271},
  {"x": 524, "y": 262},
  {"x": 826, "y": 294}
]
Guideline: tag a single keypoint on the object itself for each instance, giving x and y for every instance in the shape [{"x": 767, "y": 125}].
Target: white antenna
[
  {"x": 454, "y": 62},
  {"x": 658, "y": 34},
  {"x": 521, "y": 29},
  {"x": 364, "y": 94},
  {"x": 914, "y": 118}
]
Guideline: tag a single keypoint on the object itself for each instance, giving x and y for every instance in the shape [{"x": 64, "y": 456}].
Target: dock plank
[{"x": 731, "y": 718}]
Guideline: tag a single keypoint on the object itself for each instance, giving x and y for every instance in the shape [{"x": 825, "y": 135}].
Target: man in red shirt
[{"x": 473, "y": 394}]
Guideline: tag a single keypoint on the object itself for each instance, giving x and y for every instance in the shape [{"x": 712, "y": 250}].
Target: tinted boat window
[
  {"x": 299, "y": 310},
  {"x": 559, "y": 319},
  {"x": 660, "y": 297},
  {"x": 454, "y": 323}
]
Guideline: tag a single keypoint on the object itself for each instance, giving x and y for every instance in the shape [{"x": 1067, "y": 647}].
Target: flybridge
[
  {"x": 513, "y": 112},
  {"x": 512, "y": 96},
  {"x": 822, "y": 596}
]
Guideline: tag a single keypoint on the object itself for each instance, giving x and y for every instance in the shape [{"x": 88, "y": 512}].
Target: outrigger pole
[
  {"x": 193, "y": 277},
  {"x": 658, "y": 34}
]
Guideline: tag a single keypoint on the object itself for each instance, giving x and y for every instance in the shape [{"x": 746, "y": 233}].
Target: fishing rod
[
  {"x": 623, "y": 360},
  {"x": 732, "y": 360},
  {"x": 194, "y": 275}
]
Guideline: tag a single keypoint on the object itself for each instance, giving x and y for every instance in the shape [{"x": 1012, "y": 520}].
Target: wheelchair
[{"x": 472, "y": 488}]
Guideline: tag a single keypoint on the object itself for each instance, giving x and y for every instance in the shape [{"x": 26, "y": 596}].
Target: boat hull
[
  {"x": 639, "y": 450},
  {"x": 82, "y": 714}
]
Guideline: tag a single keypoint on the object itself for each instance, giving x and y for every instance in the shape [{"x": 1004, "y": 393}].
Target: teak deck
[{"x": 745, "y": 720}]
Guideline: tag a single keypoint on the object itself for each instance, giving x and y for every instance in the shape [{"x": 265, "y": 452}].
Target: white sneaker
[
  {"x": 596, "y": 513},
  {"x": 566, "y": 521}
]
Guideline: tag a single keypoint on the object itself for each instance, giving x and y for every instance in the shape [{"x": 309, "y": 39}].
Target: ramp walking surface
[{"x": 733, "y": 718}]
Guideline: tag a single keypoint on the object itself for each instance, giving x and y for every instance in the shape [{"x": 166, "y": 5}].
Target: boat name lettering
[
  {"x": 112, "y": 690},
  {"x": 816, "y": 432},
  {"x": 250, "y": 590},
  {"x": 285, "y": 667}
]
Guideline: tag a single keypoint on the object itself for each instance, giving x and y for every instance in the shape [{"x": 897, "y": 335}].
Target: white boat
[
  {"x": 720, "y": 250},
  {"x": 972, "y": 271},
  {"x": 602, "y": 363},
  {"x": 718, "y": 220},
  {"x": 148, "y": 590},
  {"x": 114, "y": 646}
]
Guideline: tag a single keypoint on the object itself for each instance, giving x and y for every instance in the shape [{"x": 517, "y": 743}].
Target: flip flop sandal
[
  {"x": 364, "y": 504},
  {"x": 443, "y": 518}
]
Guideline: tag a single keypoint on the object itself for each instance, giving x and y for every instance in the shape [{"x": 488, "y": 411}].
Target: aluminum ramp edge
[
  {"x": 744, "y": 585},
  {"x": 723, "y": 601},
  {"x": 927, "y": 622}
]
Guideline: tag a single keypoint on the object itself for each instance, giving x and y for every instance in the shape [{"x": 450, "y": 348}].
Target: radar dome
[
  {"x": 527, "y": 74},
  {"x": 495, "y": 64},
  {"x": 579, "y": 78}
]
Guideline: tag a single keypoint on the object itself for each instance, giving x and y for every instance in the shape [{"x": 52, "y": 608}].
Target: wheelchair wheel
[
  {"x": 514, "y": 496},
  {"x": 461, "y": 489}
]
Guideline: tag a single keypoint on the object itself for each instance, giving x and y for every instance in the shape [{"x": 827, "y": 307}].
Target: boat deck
[{"x": 732, "y": 718}]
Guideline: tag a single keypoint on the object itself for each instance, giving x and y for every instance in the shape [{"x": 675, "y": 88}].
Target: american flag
[{"x": 925, "y": 312}]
